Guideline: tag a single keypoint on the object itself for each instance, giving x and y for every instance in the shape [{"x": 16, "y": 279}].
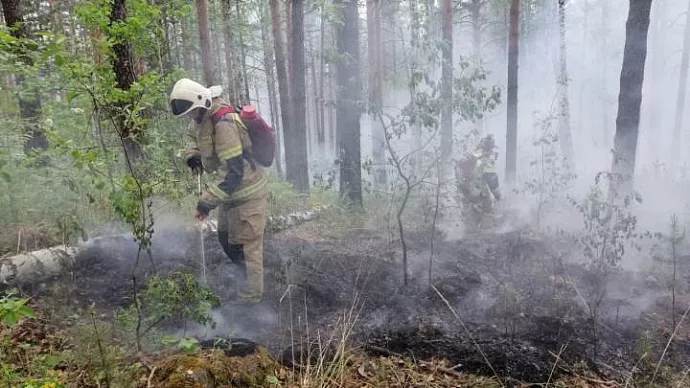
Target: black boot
[
  {"x": 224, "y": 243},
  {"x": 237, "y": 257}
]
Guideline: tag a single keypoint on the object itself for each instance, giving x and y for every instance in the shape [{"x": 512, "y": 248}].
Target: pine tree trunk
[
  {"x": 281, "y": 73},
  {"x": 125, "y": 77},
  {"x": 246, "y": 97},
  {"x": 288, "y": 37},
  {"x": 271, "y": 87},
  {"x": 297, "y": 166},
  {"x": 227, "y": 38},
  {"x": 376, "y": 90},
  {"x": 322, "y": 68},
  {"x": 205, "y": 39},
  {"x": 512, "y": 103},
  {"x": 630, "y": 96},
  {"x": 29, "y": 103},
  {"x": 447, "y": 83},
  {"x": 315, "y": 99},
  {"x": 564, "y": 130},
  {"x": 680, "y": 99},
  {"x": 348, "y": 128}
]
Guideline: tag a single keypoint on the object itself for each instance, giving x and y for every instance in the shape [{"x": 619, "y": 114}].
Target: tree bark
[
  {"x": 348, "y": 113},
  {"x": 227, "y": 38},
  {"x": 564, "y": 130},
  {"x": 205, "y": 39},
  {"x": 680, "y": 99},
  {"x": 125, "y": 76},
  {"x": 375, "y": 50},
  {"x": 322, "y": 69},
  {"x": 245, "y": 98},
  {"x": 512, "y": 103},
  {"x": 630, "y": 96},
  {"x": 447, "y": 83},
  {"x": 29, "y": 103},
  {"x": 271, "y": 86},
  {"x": 297, "y": 166},
  {"x": 288, "y": 37},
  {"x": 282, "y": 76}
]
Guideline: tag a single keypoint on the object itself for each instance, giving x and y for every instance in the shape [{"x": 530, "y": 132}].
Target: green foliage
[
  {"x": 188, "y": 345},
  {"x": 178, "y": 297},
  {"x": 12, "y": 309},
  {"x": 549, "y": 177}
]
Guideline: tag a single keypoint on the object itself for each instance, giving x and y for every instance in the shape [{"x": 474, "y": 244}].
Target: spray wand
[{"x": 201, "y": 236}]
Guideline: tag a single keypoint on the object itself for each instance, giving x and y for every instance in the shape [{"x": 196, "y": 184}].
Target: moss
[{"x": 212, "y": 369}]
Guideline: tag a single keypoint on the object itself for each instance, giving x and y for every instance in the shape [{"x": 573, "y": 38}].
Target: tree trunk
[
  {"x": 227, "y": 37},
  {"x": 447, "y": 83},
  {"x": 271, "y": 86},
  {"x": 29, "y": 103},
  {"x": 512, "y": 113},
  {"x": 245, "y": 98},
  {"x": 205, "y": 39},
  {"x": 297, "y": 165},
  {"x": 564, "y": 119},
  {"x": 322, "y": 69},
  {"x": 282, "y": 76},
  {"x": 348, "y": 115},
  {"x": 630, "y": 96},
  {"x": 315, "y": 91},
  {"x": 375, "y": 50},
  {"x": 288, "y": 37},
  {"x": 680, "y": 100},
  {"x": 477, "y": 45},
  {"x": 187, "y": 45},
  {"x": 125, "y": 77}
]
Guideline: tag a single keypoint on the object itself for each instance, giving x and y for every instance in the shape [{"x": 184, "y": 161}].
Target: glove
[
  {"x": 201, "y": 211},
  {"x": 195, "y": 164},
  {"x": 498, "y": 196}
]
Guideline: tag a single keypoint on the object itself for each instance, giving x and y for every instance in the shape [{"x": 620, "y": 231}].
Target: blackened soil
[{"x": 507, "y": 305}]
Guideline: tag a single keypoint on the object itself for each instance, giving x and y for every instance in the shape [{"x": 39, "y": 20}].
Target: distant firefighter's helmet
[{"x": 487, "y": 143}]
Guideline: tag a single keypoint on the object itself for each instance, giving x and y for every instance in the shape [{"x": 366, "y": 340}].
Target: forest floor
[{"x": 501, "y": 310}]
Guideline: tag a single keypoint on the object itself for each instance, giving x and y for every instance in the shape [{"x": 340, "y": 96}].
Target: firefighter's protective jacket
[
  {"x": 476, "y": 176},
  {"x": 234, "y": 178}
]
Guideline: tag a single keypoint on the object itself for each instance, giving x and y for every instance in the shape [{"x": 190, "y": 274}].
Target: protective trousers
[
  {"x": 243, "y": 224},
  {"x": 478, "y": 213}
]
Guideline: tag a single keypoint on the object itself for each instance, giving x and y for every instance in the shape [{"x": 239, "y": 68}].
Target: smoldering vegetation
[{"x": 501, "y": 304}]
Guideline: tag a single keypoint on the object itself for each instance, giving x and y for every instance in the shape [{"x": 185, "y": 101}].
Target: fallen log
[
  {"x": 279, "y": 223},
  {"x": 37, "y": 265}
]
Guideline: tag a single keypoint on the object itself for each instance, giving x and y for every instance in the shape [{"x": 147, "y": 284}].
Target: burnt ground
[{"x": 515, "y": 300}]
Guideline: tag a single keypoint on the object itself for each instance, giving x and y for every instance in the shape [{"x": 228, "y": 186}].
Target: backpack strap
[
  {"x": 238, "y": 120},
  {"x": 220, "y": 113}
]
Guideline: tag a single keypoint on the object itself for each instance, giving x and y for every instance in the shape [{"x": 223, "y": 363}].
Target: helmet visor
[{"x": 180, "y": 107}]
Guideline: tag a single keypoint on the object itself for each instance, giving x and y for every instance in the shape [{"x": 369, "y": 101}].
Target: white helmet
[{"x": 188, "y": 95}]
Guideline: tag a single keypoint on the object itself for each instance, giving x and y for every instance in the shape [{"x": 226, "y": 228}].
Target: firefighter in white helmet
[{"x": 220, "y": 145}]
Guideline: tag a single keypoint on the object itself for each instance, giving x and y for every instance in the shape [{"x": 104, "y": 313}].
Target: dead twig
[
  {"x": 153, "y": 372},
  {"x": 101, "y": 351},
  {"x": 555, "y": 363},
  {"x": 675, "y": 330},
  {"x": 390, "y": 353}
]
